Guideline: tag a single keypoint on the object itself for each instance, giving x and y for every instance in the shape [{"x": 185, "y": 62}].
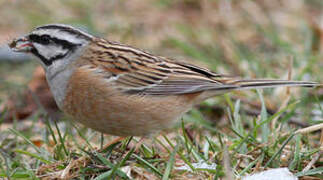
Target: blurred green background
[{"x": 253, "y": 39}]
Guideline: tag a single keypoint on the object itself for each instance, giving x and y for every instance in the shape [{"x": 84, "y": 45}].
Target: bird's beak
[{"x": 21, "y": 45}]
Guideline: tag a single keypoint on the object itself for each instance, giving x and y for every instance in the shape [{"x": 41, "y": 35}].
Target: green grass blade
[
  {"x": 110, "y": 165},
  {"x": 279, "y": 150},
  {"x": 263, "y": 117},
  {"x": 122, "y": 162},
  {"x": 146, "y": 163},
  {"x": 33, "y": 155},
  {"x": 296, "y": 160},
  {"x": 170, "y": 164},
  {"x": 25, "y": 139},
  {"x": 315, "y": 171}
]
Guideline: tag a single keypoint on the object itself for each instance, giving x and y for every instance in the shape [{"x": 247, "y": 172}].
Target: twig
[
  {"x": 315, "y": 157},
  {"x": 310, "y": 129},
  {"x": 227, "y": 164}
]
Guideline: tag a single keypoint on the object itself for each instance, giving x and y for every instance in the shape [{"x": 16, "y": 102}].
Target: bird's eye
[{"x": 44, "y": 39}]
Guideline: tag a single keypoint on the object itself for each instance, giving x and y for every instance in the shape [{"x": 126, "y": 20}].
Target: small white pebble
[{"x": 272, "y": 174}]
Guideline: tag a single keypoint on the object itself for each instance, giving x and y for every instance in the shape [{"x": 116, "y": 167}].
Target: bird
[{"x": 121, "y": 90}]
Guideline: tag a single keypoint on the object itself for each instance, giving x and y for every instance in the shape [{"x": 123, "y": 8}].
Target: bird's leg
[{"x": 139, "y": 143}]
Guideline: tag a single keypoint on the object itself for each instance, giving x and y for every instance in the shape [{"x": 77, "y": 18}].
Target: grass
[{"x": 227, "y": 136}]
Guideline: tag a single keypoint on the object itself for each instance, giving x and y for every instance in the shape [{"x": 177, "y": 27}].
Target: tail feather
[
  {"x": 234, "y": 84},
  {"x": 269, "y": 83}
]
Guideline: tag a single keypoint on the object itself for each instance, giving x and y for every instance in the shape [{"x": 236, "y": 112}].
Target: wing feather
[{"x": 136, "y": 72}]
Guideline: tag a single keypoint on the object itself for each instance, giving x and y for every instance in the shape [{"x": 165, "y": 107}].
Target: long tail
[
  {"x": 264, "y": 83},
  {"x": 268, "y": 83},
  {"x": 241, "y": 84}
]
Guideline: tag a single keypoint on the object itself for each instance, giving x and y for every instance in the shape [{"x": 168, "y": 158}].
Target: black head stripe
[
  {"x": 46, "y": 39},
  {"x": 65, "y": 44},
  {"x": 50, "y": 61},
  {"x": 43, "y": 39},
  {"x": 47, "y": 62}
]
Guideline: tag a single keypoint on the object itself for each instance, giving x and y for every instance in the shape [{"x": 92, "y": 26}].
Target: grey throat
[{"x": 59, "y": 73}]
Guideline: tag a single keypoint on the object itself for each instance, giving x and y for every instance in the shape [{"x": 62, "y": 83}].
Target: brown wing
[{"x": 135, "y": 71}]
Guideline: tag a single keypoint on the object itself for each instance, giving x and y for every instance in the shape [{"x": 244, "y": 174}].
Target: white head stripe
[{"x": 63, "y": 27}]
